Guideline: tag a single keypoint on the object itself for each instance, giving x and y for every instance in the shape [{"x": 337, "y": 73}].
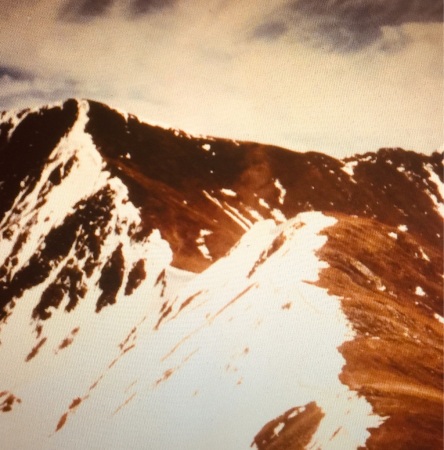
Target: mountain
[{"x": 162, "y": 290}]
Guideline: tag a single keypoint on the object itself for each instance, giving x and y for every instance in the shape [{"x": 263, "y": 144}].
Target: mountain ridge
[{"x": 112, "y": 225}]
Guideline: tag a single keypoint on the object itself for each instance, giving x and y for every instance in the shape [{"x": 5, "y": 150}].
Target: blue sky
[{"x": 338, "y": 76}]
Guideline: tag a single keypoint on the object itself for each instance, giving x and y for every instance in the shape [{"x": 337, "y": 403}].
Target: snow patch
[
  {"x": 212, "y": 199},
  {"x": 278, "y": 428},
  {"x": 434, "y": 178},
  {"x": 278, "y": 216},
  {"x": 200, "y": 241},
  {"x": 14, "y": 121},
  {"x": 424, "y": 254},
  {"x": 253, "y": 213},
  {"x": 230, "y": 211},
  {"x": 263, "y": 203},
  {"x": 349, "y": 167},
  {"x": 300, "y": 410},
  {"x": 419, "y": 291},
  {"x": 439, "y": 318},
  {"x": 228, "y": 192},
  {"x": 238, "y": 216},
  {"x": 281, "y": 190}
]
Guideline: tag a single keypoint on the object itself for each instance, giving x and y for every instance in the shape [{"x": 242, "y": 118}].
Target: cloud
[
  {"x": 84, "y": 10},
  {"x": 270, "y": 30},
  {"x": 9, "y": 73},
  {"x": 138, "y": 7},
  {"x": 357, "y": 13},
  {"x": 25, "y": 91},
  {"x": 353, "y": 25}
]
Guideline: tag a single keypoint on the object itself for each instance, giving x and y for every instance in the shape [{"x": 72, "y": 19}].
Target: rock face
[{"x": 159, "y": 290}]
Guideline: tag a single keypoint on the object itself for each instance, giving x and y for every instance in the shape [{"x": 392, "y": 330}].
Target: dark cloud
[
  {"x": 376, "y": 12},
  {"x": 84, "y": 9},
  {"x": 351, "y": 25},
  {"x": 270, "y": 30},
  {"x": 138, "y": 7},
  {"x": 13, "y": 74}
]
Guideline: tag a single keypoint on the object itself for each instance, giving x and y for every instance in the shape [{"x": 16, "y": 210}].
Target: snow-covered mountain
[{"x": 160, "y": 290}]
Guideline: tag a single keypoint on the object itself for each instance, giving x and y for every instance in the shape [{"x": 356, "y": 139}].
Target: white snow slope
[{"x": 189, "y": 361}]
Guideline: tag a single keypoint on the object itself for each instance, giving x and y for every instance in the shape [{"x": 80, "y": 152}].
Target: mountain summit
[{"x": 162, "y": 290}]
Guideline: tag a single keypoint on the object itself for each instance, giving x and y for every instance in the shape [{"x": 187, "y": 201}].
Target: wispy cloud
[
  {"x": 87, "y": 10},
  {"x": 138, "y": 7},
  {"x": 352, "y": 25},
  {"x": 25, "y": 91},
  {"x": 9, "y": 73},
  {"x": 270, "y": 30},
  {"x": 84, "y": 9}
]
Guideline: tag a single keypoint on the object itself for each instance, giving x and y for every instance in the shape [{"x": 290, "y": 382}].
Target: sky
[{"x": 336, "y": 76}]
